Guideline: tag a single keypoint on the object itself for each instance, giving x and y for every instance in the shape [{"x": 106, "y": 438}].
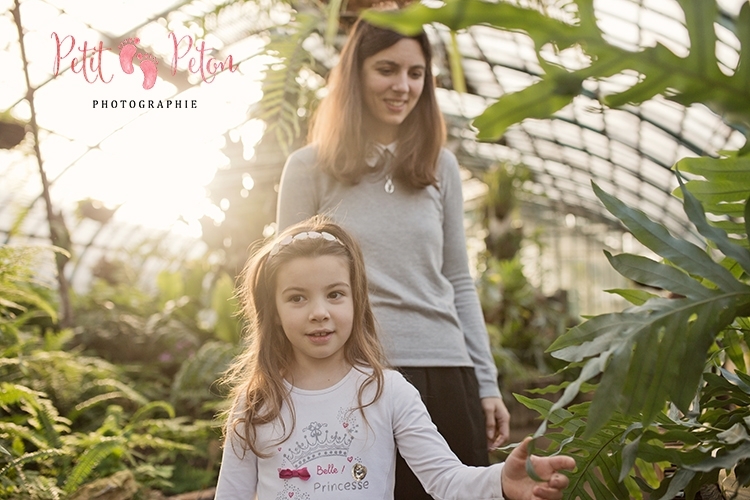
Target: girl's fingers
[
  {"x": 559, "y": 481},
  {"x": 562, "y": 462},
  {"x": 547, "y": 493},
  {"x": 553, "y": 488}
]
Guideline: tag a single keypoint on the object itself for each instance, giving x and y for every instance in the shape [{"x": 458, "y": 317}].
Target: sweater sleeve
[
  {"x": 456, "y": 269},
  {"x": 426, "y": 452},
  {"x": 238, "y": 476},
  {"x": 297, "y": 199}
]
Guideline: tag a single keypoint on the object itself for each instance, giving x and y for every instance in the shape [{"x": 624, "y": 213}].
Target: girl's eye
[
  {"x": 296, "y": 299},
  {"x": 336, "y": 295}
]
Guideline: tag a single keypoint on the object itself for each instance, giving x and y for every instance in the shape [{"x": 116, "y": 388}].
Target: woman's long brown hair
[{"x": 338, "y": 127}]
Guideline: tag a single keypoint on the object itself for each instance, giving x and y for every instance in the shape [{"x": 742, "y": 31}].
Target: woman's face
[{"x": 393, "y": 80}]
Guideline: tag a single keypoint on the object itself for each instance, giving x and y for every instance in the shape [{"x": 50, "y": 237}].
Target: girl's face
[
  {"x": 393, "y": 80},
  {"x": 315, "y": 308}
]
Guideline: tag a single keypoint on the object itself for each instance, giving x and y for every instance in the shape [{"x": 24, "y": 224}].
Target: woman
[{"x": 377, "y": 166}]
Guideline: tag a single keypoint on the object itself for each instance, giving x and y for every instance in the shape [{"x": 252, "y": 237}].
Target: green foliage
[
  {"x": 695, "y": 78},
  {"x": 283, "y": 94},
  {"x": 522, "y": 322},
  {"x": 656, "y": 352},
  {"x": 663, "y": 352},
  {"x": 197, "y": 375},
  {"x": 661, "y": 399},
  {"x": 162, "y": 329},
  {"x": 721, "y": 189},
  {"x": 224, "y": 304},
  {"x": 21, "y": 294},
  {"x": 68, "y": 418},
  {"x": 96, "y": 438},
  {"x": 600, "y": 456}
]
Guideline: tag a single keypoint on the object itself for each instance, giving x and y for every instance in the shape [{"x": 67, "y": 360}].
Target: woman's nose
[{"x": 401, "y": 83}]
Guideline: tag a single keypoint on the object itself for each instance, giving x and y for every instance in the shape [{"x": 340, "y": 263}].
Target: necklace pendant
[{"x": 389, "y": 185}]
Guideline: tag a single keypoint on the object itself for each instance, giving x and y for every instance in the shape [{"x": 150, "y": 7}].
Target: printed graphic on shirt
[
  {"x": 291, "y": 492},
  {"x": 318, "y": 460}
]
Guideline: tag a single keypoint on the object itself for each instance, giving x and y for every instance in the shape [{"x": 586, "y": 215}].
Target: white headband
[{"x": 313, "y": 235}]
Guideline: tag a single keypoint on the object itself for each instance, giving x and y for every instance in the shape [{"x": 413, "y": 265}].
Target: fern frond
[
  {"x": 90, "y": 459},
  {"x": 201, "y": 370},
  {"x": 181, "y": 427},
  {"x": 35, "y": 456},
  {"x": 153, "y": 442},
  {"x": 121, "y": 387},
  {"x": 10, "y": 431},
  {"x": 18, "y": 286},
  {"x": 14, "y": 393},
  {"x": 153, "y": 405},
  {"x": 91, "y": 402},
  {"x": 46, "y": 415},
  {"x": 281, "y": 89}
]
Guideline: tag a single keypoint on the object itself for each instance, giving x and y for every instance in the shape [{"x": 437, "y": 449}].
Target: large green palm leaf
[{"x": 694, "y": 78}]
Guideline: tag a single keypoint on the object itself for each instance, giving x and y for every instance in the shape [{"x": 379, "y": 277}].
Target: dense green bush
[{"x": 68, "y": 416}]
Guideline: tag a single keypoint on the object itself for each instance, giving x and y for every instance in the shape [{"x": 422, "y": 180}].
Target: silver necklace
[
  {"x": 384, "y": 163},
  {"x": 389, "y": 184}
]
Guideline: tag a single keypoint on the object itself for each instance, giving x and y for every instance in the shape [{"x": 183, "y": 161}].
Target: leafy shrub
[{"x": 67, "y": 418}]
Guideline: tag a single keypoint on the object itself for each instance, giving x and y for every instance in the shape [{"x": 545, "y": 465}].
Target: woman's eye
[{"x": 417, "y": 75}]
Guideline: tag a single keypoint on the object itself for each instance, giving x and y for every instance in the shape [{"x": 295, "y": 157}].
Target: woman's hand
[
  {"x": 517, "y": 485},
  {"x": 497, "y": 419}
]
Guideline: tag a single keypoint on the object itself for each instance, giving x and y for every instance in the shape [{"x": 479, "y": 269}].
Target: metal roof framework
[{"x": 628, "y": 152}]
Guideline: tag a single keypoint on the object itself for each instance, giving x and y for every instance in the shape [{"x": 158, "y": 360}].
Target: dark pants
[{"x": 451, "y": 396}]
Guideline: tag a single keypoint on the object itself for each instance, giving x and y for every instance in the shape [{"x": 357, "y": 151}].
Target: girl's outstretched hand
[{"x": 517, "y": 485}]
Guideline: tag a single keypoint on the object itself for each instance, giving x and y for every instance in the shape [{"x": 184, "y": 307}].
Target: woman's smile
[{"x": 393, "y": 80}]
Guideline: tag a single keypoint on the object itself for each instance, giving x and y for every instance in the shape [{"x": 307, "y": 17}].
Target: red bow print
[{"x": 290, "y": 473}]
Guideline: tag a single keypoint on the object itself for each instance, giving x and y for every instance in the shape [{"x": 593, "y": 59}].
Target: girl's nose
[{"x": 319, "y": 311}]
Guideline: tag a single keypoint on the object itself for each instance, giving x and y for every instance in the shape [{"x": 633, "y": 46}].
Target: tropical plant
[
  {"x": 522, "y": 322},
  {"x": 67, "y": 418},
  {"x": 160, "y": 329},
  {"x": 668, "y": 375},
  {"x": 694, "y": 78},
  {"x": 663, "y": 393}
]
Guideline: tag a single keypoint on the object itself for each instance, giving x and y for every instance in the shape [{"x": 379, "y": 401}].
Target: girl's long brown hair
[
  {"x": 338, "y": 128},
  {"x": 256, "y": 378}
]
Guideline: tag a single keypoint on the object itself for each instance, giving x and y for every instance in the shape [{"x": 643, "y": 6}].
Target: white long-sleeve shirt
[{"x": 346, "y": 456}]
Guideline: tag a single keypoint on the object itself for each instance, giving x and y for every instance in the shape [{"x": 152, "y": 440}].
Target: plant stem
[{"x": 56, "y": 232}]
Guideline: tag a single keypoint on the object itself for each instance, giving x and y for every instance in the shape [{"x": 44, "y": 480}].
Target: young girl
[{"x": 315, "y": 412}]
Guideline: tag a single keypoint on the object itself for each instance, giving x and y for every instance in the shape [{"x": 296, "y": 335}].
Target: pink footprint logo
[
  {"x": 148, "y": 66},
  {"x": 127, "y": 51}
]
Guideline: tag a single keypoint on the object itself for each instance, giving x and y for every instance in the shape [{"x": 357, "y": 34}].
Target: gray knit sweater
[{"x": 414, "y": 245}]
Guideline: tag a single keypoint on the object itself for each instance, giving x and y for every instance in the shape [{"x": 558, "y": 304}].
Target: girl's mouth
[{"x": 320, "y": 337}]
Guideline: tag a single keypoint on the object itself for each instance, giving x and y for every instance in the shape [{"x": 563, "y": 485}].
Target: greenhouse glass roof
[{"x": 148, "y": 168}]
